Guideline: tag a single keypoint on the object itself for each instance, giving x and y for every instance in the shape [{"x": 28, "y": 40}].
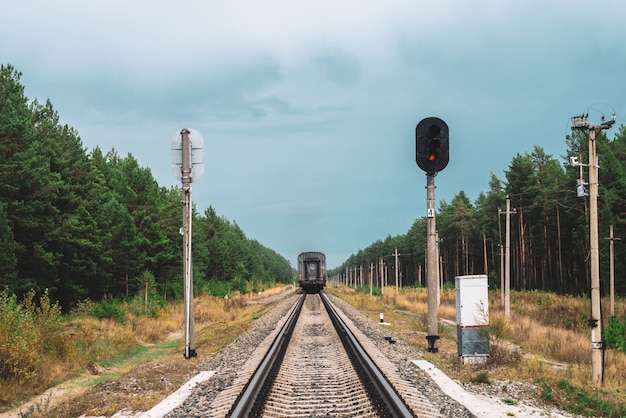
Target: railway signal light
[{"x": 431, "y": 145}]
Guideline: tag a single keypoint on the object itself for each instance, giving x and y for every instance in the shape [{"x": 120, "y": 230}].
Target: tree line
[
  {"x": 85, "y": 224},
  {"x": 549, "y": 225}
]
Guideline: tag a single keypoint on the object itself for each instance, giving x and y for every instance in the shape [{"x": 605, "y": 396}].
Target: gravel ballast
[{"x": 227, "y": 362}]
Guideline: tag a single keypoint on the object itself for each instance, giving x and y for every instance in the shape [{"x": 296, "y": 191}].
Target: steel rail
[
  {"x": 378, "y": 383},
  {"x": 246, "y": 400},
  {"x": 384, "y": 389}
]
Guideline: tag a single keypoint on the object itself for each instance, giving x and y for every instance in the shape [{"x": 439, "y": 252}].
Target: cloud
[{"x": 308, "y": 108}]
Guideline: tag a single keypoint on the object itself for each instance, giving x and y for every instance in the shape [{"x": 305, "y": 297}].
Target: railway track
[{"x": 318, "y": 364}]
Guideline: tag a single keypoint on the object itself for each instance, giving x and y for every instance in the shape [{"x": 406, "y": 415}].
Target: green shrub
[
  {"x": 448, "y": 286},
  {"x": 138, "y": 306},
  {"x": 18, "y": 355},
  {"x": 216, "y": 288},
  {"x": 48, "y": 321},
  {"x": 239, "y": 284},
  {"x": 376, "y": 291},
  {"x": 108, "y": 308},
  {"x": 615, "y": 334}
]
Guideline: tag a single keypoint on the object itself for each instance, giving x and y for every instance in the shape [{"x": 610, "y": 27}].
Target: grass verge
[
  {"x": 140, "y": 376},
  {"x": 545, "y": 343}
]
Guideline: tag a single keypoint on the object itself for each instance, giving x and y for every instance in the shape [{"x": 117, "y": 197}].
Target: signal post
[
  {"x": 187, "y": 149},
  {"x": 432, "y": 156}
]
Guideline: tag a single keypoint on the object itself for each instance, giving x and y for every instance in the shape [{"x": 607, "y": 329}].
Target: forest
[
  {"x": 90, "y": 225},
  {"x": 549, "y": 226}
]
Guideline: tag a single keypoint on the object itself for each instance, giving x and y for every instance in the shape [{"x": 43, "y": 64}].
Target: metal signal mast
[{"x": 187, "y": 165}]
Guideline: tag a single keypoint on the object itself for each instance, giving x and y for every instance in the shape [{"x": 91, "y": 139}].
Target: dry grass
[
  {"x": 524, "y": 347},
  {"x": 546, "y": 338},
  {"x": 547, "y": 325},
  {"x": 131, "y": 377}
]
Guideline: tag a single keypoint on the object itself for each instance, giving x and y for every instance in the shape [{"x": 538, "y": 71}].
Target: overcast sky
[{"x": 308, "y": 108}]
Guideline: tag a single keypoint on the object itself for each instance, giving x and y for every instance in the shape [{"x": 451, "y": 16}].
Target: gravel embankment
[{"x": 228, "y": 361}]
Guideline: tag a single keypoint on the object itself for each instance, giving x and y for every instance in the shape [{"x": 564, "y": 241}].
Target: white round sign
[{"x": 196, "y": 143}]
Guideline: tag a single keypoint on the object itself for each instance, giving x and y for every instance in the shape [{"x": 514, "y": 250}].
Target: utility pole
[
  {"x": 385, "y": 273},
  {"x": 396, "y": 266},
  {"x": 381, "y": 275},
  {"x": 371, "y": 277},
  {"x": 581, "y": 123},
  {"x": 361, "y": 283},
  {"x": 507, "y": 261},
  {"x": 501, "y": 248},
  {"x": 612, "y": 238},
  {"x": 419, "y": 274},
  {"x": 501, "y": 245}
]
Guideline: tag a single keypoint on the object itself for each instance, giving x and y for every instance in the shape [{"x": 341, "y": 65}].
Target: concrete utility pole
[
  {"x": 612, "y": 239},
  {"x": 362, "y": 283},
  {"x": 597, "y": 348},
  {"x": 507, "y": 261},
  {"x": 501, "y": 273},
  {"x": 371, "y": 277},
  {"x": 419, "y": 274},
  {"x": 396, "y": 266},
  {"x": 381, "y": 275},
  {"x": 501, "y": 246},
  {"x": 581, "y": 123}
]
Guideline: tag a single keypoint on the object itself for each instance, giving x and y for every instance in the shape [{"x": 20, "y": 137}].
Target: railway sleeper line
[{"x": 318, "y": 377}]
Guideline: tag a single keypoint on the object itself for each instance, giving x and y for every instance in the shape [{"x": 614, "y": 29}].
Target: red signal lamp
[{"x": 431, "y": 145}]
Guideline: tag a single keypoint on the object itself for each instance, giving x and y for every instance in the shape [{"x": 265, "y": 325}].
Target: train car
[{"x": 312, "y": 271}]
